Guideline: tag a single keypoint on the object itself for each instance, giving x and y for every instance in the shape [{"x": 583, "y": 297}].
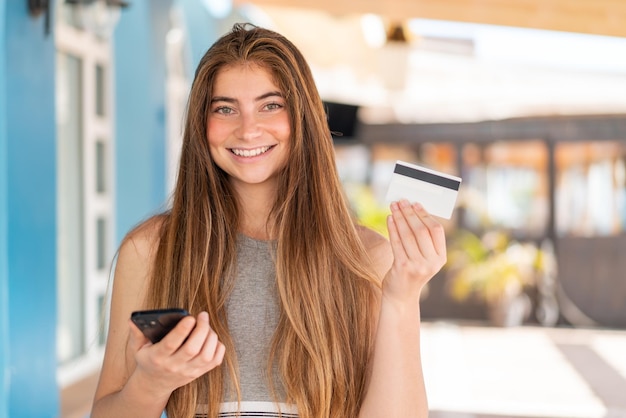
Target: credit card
[{"x": 434, "y": 190}]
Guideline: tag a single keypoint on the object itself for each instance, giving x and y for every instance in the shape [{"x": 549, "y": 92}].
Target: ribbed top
[{"x": 253, "y": 315}]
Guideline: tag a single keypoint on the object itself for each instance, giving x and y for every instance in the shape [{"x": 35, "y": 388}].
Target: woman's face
[{"x": 248, "y": 125}]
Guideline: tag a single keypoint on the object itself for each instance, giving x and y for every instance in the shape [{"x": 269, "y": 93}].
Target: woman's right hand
[{"x": 187, "y": 352}]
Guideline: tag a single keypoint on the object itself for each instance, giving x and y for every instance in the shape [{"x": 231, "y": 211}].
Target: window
[
  {"x": 100, "y": 96},
  {"x": 70, "y": 210},
  {"x": 101, "y": 166},
  {"x": 505, "y": 184},
  {"x": 590, "y": 188}
]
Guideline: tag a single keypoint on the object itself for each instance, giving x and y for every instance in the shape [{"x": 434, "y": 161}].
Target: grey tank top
[{"x": 253, "y": 315}]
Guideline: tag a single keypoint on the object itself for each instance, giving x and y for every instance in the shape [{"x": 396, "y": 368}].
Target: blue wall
[
  {"x": 140, "y": 112},
  {"x": 28, "y": 364},
  {"x": 28, "y": 216},
  {"x": 4, "y": 282},
  {"x": 202, "y": 30}
]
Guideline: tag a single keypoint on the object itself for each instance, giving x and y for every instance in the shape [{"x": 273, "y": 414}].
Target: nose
[{"x": 249, "y": 128}]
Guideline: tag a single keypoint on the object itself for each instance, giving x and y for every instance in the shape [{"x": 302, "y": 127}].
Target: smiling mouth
[{"x": 250, "y": 152}]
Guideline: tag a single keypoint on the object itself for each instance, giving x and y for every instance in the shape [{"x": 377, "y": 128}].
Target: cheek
[
  {"x": 283, "y": 130},
  {"x": 216, "y": 133},
  {"x": 286, "y": 135}
]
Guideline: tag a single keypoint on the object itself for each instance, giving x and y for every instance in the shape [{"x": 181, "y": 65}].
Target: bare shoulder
[
  {"x": 142, "y": 241},
  {"x": 134, "y": 262},
  {"x": 372, "y": 240},
  {"x": 134, "y": 265},
  {"x": 378, "y": 248}
]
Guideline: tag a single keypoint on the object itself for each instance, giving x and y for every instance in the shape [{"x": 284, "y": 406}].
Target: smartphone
[{"x": 156, "y": 323}]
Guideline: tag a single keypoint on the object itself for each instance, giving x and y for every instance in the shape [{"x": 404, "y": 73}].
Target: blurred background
[{"x": 525, "y": 100}]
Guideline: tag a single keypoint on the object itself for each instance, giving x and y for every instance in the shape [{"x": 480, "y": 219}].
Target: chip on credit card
[{"x": 434, "y": 190}]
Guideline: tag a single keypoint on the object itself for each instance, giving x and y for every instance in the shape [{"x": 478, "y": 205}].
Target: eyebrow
[{"x": 256, "y": 99}]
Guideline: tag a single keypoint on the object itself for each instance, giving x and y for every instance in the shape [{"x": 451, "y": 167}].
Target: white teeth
[{"x": 249, "y": 152}]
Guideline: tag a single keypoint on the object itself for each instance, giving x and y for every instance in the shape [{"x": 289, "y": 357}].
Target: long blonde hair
[{"x": 325, "y": 281}]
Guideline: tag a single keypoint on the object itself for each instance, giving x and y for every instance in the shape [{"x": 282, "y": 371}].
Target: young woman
[{"x": 295, "y": 309}]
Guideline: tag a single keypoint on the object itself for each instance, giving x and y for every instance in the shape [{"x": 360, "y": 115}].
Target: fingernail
[
  {"x": 404, "y": 203},
  {"x": 394, "y": 206},
  {"x": 203, "y": 316}
]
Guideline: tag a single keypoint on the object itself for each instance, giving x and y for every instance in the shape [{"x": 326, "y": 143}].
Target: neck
[{"x": 255, "y": 204}]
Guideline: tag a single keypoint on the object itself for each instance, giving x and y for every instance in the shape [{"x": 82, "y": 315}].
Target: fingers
[
  {"x": 416, "y": 231},
  {"x": 136, "y": 337},
  {"x": 417, "y": 240},
  {"x": 176, "y": 337},
  {"x": 202, "y": 347},
  {"x": 190, "y": 338},
  {"x": 397, "y": 248},
  {"x": 191, "y": 349},
  {"x": 188, "y": 351},
  {"x": 435, "y": 229}
]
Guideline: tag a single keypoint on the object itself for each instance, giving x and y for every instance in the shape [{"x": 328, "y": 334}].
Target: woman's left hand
[{"x": 418, "y": 244}]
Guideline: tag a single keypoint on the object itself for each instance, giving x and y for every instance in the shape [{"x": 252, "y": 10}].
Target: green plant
[
  {"x": 492, "y": 266},
  {"x": 368, "y": 211}
]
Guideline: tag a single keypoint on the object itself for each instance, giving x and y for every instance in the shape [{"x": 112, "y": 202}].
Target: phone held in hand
[{"x": 156, "y": 323}]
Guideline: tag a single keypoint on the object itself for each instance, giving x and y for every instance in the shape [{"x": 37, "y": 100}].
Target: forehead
[{"x": 244, "y": 76}]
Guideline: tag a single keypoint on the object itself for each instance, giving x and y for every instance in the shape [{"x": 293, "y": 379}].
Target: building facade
[{"x": 91, "y": 101}]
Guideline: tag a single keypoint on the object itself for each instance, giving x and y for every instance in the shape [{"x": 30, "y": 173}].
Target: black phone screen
[{"x": 156, "y": 323}]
